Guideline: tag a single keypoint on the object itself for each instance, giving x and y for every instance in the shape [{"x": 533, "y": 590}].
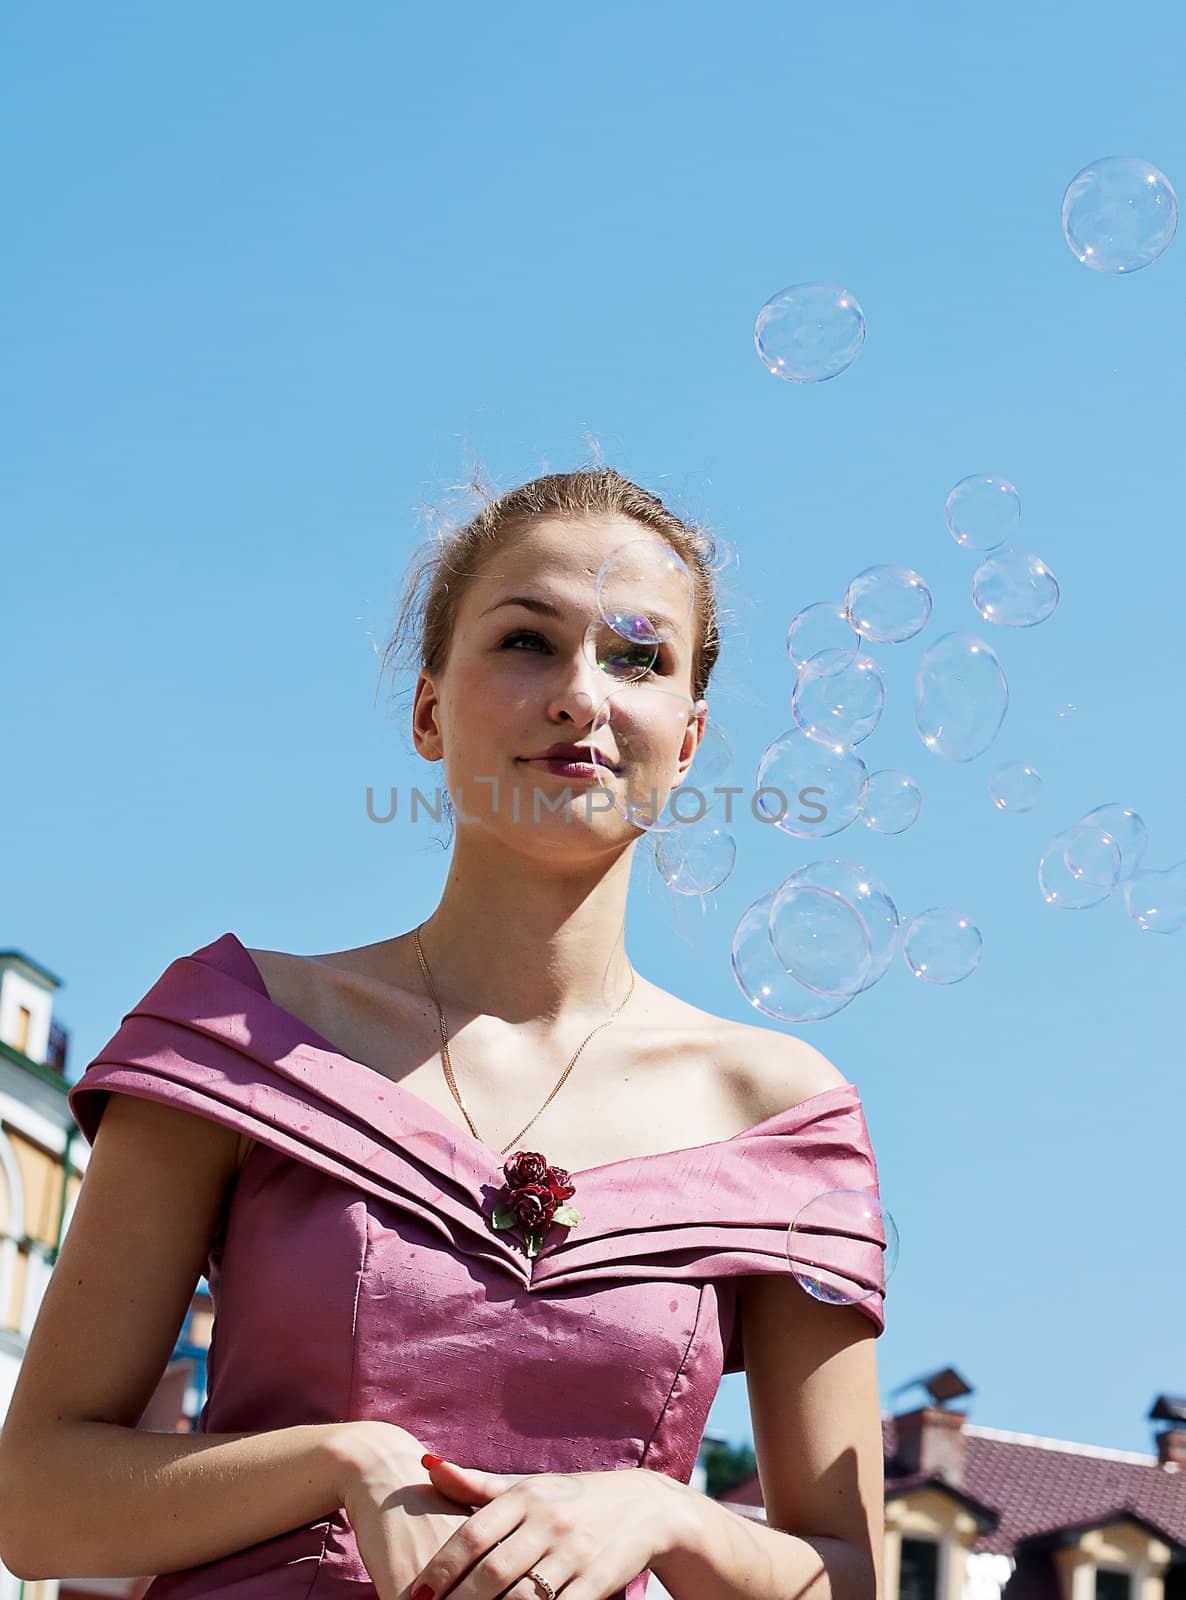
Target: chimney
[
  {"x": 931, "y": 1439},
  {"x": 1171, "y": 1441}
]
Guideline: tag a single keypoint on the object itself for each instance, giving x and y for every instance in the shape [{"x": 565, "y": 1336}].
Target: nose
[{"x": 575, "y": 696}]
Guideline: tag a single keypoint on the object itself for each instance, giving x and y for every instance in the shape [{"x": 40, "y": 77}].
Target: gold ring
[{"x": 544, "y": 1585}]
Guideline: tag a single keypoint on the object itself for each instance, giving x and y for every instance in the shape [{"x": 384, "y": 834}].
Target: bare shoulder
[
  {"x": 768, "y": 1070},
  {"x": 779, "y": 1070}
]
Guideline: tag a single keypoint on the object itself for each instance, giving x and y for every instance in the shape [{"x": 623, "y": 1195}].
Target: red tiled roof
[{"x": 1040, "y": 1486}]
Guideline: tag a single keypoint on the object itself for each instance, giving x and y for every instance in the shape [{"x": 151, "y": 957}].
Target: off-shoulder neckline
[{"x": 425, "y": 1108}]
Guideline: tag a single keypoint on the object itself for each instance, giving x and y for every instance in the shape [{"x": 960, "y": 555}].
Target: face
[{"x": 526, "y": 670}]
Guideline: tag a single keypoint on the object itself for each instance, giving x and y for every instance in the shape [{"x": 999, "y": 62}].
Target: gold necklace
[{"x": 449, "y": 1065}]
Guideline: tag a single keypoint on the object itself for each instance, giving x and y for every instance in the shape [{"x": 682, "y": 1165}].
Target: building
[{"x": 975, "y": 1513}]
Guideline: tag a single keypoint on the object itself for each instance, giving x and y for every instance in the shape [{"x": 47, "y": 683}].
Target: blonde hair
[{"x": 448, "y": 562}]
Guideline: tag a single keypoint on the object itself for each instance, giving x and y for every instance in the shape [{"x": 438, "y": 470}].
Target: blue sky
[{"x": 276, "y": 277}]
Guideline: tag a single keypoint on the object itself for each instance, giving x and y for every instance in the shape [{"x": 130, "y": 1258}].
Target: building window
[
  {"x": 918, "y": 1573},
  {"x": 1112, "y": 1584}
]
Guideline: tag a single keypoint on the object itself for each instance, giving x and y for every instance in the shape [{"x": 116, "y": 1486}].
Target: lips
[{"x": 582, "y": 754}]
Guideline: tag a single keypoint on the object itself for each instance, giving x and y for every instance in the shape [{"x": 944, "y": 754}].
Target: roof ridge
[{"x": 1068, "y": 1446}]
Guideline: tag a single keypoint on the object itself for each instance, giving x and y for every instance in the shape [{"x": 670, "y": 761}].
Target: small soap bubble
[
  {"x": 1015, "y": 589},
  {"x": 982, "y": 512},
  {"x": 696, "y": 859},
  {"x": 762, "y": 978},
  {"x": 942, "y": 945},
  {"x": 1156, "y": 901},
  {"x": 820, "y": 939},
  {"x": 621, "y": 659},
  {"x": 892, "y": 801},
  {"x": 810, "y": 332},
  {"x": 960, "y": 696},
  {"x": 823, "y": 625},
  {"x": 838, "y": 699},
  {"x": 888, "y": 604},
  {"x": 1015, "y": 787},
  {"x": 1093, "y": 877},
  {"x": 865, "y": 896},
  {"x": 843, "y": 1246},
  {"x": 1119, "y": 214},
  {"x": 807, "y": 788}
]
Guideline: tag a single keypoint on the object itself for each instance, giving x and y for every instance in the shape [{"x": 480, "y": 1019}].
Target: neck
[{"x": 530, "y": 944}]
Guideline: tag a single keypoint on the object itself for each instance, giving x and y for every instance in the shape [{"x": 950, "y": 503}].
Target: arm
[
  {"x": 81, "y": 1488},
  {"x": 723, "y": 1555},
  {"x": 811, "y": 1372},
  {"x": 812, "y": 1378},
  {"x": 110, "y": 1501}
]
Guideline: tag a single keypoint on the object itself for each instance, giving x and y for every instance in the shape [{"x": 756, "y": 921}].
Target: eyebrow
[{"x": 545, "y": 608}]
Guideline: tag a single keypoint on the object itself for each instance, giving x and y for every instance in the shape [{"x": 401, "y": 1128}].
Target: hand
[
  {"x": 587, "y": 1533},
  {"x": 399, "y": 1523}
]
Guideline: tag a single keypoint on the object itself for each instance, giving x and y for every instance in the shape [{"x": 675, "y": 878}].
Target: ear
[
  {"x": 693, "y": 734},
  {"x": 426, "y": 732}
]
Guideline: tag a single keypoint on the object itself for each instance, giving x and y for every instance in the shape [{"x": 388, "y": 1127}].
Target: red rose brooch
[{"x": 534, "y": 1198}]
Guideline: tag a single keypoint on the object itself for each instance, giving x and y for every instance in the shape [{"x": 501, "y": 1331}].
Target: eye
[{"x": 521, "y": 633}]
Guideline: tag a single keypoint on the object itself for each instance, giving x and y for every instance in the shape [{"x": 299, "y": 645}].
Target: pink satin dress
[{"x": 357, "y": 1272}]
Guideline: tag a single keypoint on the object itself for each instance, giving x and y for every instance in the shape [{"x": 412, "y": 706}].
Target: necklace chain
[{"x": 448, "y": 1065}]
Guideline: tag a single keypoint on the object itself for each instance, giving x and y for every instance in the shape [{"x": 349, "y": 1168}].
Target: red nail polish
[
  {"x": 422, "y": 1593},
  {"x": 428, "y": 1460}
]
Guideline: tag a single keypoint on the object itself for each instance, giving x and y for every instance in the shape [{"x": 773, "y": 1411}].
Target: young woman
[{"x": 478, "y": 1189}]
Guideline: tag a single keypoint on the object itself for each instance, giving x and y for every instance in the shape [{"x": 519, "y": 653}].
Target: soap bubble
[
  {"x": 821, "y": 626},
  {"x": 646, "y": 720},
  {"x": 1095, "y": 871},
  {"x": 696, "y": 859},
  {"x": 983, "y": 512},
  {"x": 1119, "y": 214},
  {"x": 798, "y": 773},
  {"x": 810, "y": 332},
  {"x": 942, "y": 945},
  {"x": 762, "y": 978},
  {"x": 1156, "y": 901},
  {"x": 1120, "y": 823},
  {"x": 892, "y": 802},
  {"x": 819, "y": 938},
  {"x": 645, "y": 592},
  {"x": 1015, "y": 787},
  {"x": 865, "y": 897},
  {"x": 888, "y": 604},
  {"x": 620, "y": 658},
  {"x": 960, "y": 696},
  {"x": 837, "y": 699},
  {"x": 842, "y": 1246},
  {"x": 1015, "y": 589}
]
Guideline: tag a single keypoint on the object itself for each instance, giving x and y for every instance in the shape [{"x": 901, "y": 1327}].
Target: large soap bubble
[
  {"x": 888, "y": 604},
  {"x": 824, "y": 625},
  {"x": 1156, "y": 901},
  {"x": 982, "y": 512},
  {"x": 960, "y": 696},
  {"x": 1015, "y": 589},
  {"x": 1119, "y": 214},
  {"x": 762, "y": 978},
  {"x": 942, "y": 945},
  {"x": 798, "y": 773},
  {"x": 843, "y": 1246},
  {"x": 837, "y": 698},
  {"x": 810, "y": 332},
  {"x": 868, "y": 904}
]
